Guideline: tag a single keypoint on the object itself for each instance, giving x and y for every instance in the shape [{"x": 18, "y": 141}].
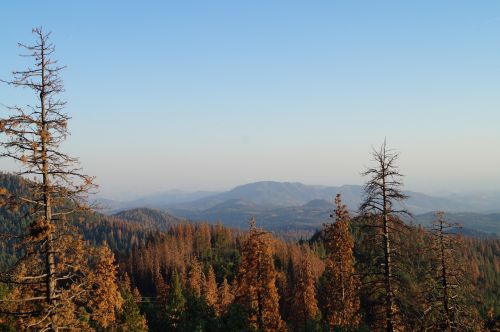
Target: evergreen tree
[
  {"x": 210, "y": 288},
  {"x": 195, "y": 277},
  {"x": 304, "y": 304},
  {"x": 256, "y": 287},
  {"x": 225, "y": 297},
  {"x": 161, "y": 287},
  {"x": 130, "y": 318},
  {"x": 176, "y": 303},
  {"x": 105, "y": 300},
  {"x": 342, "y": 283}
]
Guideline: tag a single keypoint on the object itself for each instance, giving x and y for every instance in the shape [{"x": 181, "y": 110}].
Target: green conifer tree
[{"x": 176, "y": 303}]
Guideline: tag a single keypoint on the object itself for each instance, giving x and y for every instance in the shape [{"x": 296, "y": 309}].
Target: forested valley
[{"x": 183, "y": 276}]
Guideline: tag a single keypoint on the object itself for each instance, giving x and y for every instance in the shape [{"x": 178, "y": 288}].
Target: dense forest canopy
[{"x": 154, "y": 260}]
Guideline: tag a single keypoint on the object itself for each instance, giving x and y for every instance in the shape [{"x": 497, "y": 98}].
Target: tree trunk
[
  {"x": 444, "y": 279},
  {"x": 260, "y": 321},
  {"x": 50, "y": 266},
  {"x": 389, "y": 299}
]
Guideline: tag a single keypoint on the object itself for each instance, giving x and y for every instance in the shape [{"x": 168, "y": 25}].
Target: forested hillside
[{"x": 199, "y": 276}]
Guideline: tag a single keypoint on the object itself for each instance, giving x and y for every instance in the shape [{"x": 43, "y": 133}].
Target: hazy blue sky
[{"x": 211, "y": 94}]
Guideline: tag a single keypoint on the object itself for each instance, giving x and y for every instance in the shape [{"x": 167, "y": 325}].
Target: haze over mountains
[
  {"x": 292, "y": 205},
  {"x": 280, "y": 194}
]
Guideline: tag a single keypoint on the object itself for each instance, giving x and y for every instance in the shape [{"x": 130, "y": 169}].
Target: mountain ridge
[
  {"x": 276, "y": 194},
  {"x": 289, "y": 205}
]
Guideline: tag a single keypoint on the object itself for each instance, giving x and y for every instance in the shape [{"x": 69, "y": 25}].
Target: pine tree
[
  {"x": 105, "y": 299},
  {"x": 305, "y": 305},
  {"x": 130, "y": 318},
  {"x": 210, "y": 288},
  {"x": 225, "y": 297},
  {"x": 256, "y": 287},
  {"x": 176, "y": 303},
  {"x": 53, "y": 278},
  {"x": 161, "y": 287},
  {"x": 195, "y": 277},
  {"x": 342, "y": 283},
  {"x": 202, "y": 242}
]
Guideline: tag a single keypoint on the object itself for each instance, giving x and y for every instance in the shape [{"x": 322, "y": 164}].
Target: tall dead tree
[
  {"x": 447, "y": 309},
  {"x": 51, "y": 279},
  {"x": 382, "y": 192}
]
